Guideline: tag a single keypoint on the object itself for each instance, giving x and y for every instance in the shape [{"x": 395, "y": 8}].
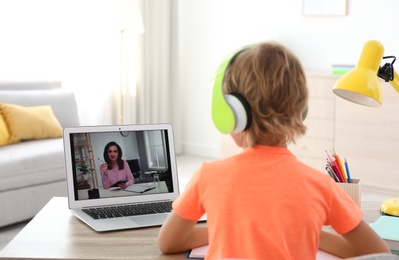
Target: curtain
[
  {"x": 153, "y": 96},
  {"x": 153, "y": 93},
  {"x": 130, "y": 29}
]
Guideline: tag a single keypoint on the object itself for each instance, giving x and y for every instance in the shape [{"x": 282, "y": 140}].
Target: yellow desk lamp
[{"x": 362, "y": 86}]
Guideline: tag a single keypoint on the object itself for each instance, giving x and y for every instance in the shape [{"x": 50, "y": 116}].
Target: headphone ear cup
[
  {"x": 222, "y": 115},
  {"x": 241, "y": 110}
]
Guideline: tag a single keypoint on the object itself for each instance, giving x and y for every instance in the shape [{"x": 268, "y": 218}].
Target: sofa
[{"x": 32, "y": 115}]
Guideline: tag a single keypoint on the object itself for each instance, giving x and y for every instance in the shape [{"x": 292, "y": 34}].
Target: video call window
[{"x": 145, "y": 153}]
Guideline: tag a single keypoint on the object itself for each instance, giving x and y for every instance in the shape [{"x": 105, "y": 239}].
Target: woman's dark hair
[{"x": 106, "y": 158}]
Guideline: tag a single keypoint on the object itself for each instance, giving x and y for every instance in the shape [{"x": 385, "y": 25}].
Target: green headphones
[{"x": 231, "y": 112}]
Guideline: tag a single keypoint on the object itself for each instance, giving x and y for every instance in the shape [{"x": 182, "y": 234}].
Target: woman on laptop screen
[{"x": 115, "y": 172}]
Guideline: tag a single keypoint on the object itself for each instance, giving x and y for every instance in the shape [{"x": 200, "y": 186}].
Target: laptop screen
[{"x": 120, "y": 162}]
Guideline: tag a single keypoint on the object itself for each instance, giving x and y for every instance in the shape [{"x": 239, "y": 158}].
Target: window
[{"x": 155, "y": 148}]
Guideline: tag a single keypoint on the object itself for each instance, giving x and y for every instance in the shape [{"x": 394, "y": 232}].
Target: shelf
[{"x": 84, "y": 156}]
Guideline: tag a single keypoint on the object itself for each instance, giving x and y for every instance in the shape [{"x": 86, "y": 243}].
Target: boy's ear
[{"x": 230, "y": 112}]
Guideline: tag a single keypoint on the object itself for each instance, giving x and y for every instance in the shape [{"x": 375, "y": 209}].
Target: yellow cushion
[
  {"x": 4, "y": 134},
  {"x": 26, "y": 123}
]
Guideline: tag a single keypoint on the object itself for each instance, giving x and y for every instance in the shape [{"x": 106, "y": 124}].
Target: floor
[{"x": 186, "y": 166}]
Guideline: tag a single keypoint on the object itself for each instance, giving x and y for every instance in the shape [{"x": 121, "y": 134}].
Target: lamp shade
[{"x": 361, "y": 85}]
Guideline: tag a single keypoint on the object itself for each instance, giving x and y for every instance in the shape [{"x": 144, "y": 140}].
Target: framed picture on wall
[{"x": 324, "y": 7}]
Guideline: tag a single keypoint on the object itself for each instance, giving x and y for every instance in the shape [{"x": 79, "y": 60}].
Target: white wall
[
  {"x": 210, "y": 29},
  {"x": 74, "y": 41},
  {"x": 78, "y": 41}
]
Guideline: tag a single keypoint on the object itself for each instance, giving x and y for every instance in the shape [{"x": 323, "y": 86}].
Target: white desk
[{"x": 54, "y": 233}]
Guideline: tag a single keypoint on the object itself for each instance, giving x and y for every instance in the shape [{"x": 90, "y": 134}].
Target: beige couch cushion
[
  {"x": 62, "y": 102},
  {"x": 27, "y": 123}
]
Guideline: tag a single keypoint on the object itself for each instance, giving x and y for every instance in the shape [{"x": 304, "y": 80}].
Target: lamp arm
[{"x": 395, "y": 82}]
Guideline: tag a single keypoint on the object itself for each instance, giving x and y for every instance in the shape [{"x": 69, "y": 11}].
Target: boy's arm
[
  {"x": 178, "y": 234},
  {"x": 362, "y": 240}
]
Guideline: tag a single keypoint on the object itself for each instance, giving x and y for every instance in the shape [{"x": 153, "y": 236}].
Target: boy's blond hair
[{"x": 271, "y": 78}]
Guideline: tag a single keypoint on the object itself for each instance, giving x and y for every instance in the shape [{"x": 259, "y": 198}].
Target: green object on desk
[{"x": 387, "y": 228}]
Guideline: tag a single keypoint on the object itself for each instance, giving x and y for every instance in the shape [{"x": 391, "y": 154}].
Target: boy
[{"x": 263, "y": 203}]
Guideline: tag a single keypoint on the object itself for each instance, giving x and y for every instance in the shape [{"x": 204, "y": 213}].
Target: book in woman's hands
[{"x": 116, "y": 184}]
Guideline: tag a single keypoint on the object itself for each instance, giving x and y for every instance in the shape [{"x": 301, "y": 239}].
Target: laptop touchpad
[{"x": 150, "y": 219}]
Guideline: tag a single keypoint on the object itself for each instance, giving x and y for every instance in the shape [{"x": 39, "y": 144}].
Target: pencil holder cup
[{"x": 353, "y": 190}]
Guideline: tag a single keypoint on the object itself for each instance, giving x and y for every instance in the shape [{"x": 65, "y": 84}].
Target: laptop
[{"x": 110, "y": 199}]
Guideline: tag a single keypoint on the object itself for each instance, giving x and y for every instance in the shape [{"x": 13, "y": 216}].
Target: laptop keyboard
[{"x": 129, "y": 210}]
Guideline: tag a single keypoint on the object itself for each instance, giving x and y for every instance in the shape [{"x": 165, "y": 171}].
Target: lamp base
[{"x": 390, "y": 207}]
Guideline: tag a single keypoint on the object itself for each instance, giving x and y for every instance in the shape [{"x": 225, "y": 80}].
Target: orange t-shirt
[{"x": 265, "y": 204}]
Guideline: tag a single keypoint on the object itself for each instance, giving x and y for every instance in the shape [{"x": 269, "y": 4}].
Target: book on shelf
[
  {"x": 340, "y": 69},
  {"x": 387, "y": 227}
]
